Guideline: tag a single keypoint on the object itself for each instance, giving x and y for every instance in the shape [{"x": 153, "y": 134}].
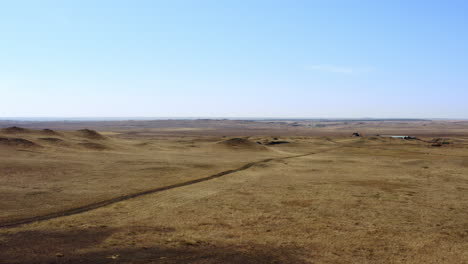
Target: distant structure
[{"x": 400, "y": 137}]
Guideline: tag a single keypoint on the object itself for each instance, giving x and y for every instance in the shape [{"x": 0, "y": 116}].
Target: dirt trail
[{"x": 104, "y": 203}]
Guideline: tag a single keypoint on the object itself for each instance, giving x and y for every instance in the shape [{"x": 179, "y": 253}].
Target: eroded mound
[
  {"x": 15, "y": 130},
  {"x": 91, "y": 134},
  {"x": 93, "y": 146},
  {"x": 17, "y": 142},
  {"x": 241, "y": 143}
]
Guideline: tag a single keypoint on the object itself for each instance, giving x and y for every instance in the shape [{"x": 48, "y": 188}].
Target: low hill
[
  {"x": 241, "y": 144},
  {"x": 17, "y": 142},
  {"x": 15, "y": 130},
  {"x": 90, "y": 134}
]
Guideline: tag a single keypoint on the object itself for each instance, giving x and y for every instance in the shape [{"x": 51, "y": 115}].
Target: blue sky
[{"x": 234, "y": 58}]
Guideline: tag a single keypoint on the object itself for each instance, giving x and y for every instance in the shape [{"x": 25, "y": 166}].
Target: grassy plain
[{"x": 318, "y": 196}]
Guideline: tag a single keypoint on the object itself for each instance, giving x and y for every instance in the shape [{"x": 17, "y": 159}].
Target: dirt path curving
[{"x": 104, "y": 203}]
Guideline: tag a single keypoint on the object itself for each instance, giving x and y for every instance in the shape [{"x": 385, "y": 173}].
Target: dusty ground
[{"x": 314, "y": 199}]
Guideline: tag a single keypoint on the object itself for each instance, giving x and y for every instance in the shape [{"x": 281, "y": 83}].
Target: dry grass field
[{"x": 233, "y": 192}]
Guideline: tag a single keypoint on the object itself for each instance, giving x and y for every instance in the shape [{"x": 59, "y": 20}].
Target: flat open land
[{"x": 221, "y": 191}]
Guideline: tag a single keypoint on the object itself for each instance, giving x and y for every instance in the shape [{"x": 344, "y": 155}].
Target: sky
[{"x": 224, "y": 58}]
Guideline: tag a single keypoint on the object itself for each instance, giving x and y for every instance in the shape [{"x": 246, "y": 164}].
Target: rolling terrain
[{"x": 233, "y": 192}]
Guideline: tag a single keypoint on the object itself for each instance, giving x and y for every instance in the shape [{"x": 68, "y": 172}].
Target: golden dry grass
[{"x": 319, "y": 200}]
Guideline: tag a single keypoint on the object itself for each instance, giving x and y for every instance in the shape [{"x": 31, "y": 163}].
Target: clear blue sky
[{"x": 250, "y": 58}]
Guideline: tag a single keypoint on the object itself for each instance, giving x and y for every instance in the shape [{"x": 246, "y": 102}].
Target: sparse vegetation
[{"x": 318, "y": 199}]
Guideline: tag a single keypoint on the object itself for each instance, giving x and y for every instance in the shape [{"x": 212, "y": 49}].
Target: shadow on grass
[{"x": 82, "y": 246}]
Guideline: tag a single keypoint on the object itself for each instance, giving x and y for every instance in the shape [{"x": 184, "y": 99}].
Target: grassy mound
[
  {"x": 15, "y": 130},
  {"x": 49, "y": 132},
  {"x": 241, "y": 144},
  {"x": 90, "y": 134}
]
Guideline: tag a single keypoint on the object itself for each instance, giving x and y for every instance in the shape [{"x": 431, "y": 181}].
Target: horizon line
[{"x": 147, "y": 118}]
